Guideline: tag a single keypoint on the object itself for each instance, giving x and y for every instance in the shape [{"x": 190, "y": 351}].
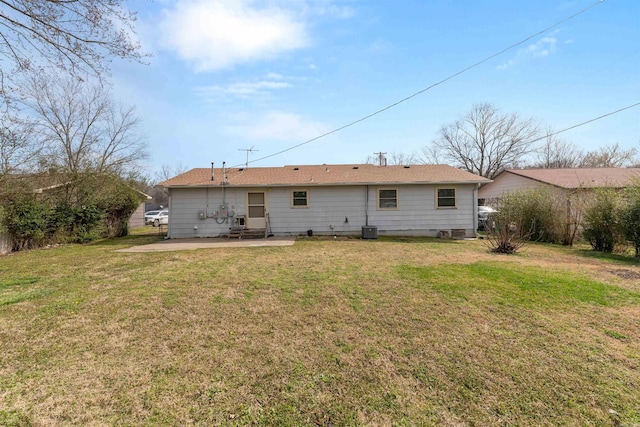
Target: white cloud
[
  {"x": 340, "y": 12},
  {"x": 276, "y": 125},
  {"x": 243, "y": 89},
  {"x": 540, "y": 49},
  {"x": 219, "y": 34},
  {"x": 543, "y": 47},
  {"x": 380, "y": 46}
]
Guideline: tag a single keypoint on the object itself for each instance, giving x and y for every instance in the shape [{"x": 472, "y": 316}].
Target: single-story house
[
  {"x": 566, "y": 181},
  {"x": 136, "y": 219},
  {"x": 424, "y": 200}
]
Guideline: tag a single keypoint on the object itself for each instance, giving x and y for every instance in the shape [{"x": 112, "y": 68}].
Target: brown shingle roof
[
  {"x": 325, "y": 175},
  {"x": 582, "y": 178}
]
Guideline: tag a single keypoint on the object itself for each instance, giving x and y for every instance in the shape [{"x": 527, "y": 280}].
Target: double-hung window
[
  {"x": 446, "y": 198},
  {"x": 299, "y": 199},
  {"x": 387, "y": 198}
]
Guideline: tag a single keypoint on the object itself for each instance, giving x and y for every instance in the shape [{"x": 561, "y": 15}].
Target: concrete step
[{"x": 247, "y": 233}]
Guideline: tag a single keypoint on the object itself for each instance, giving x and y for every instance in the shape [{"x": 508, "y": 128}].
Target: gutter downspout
[
  {"x": 474, "y": 215},
  {"x": 169, "y": 223},
  {"x": 366, "y": 206}
]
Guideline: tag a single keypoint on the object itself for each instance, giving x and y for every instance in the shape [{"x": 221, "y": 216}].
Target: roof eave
[{"x": 326, "y": 184}]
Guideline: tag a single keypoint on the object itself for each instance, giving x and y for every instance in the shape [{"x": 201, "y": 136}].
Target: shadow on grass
[
  {"x": 417, "y": 239},
  {"x": 131, "y": 240},
  {"x": 615, "y": 258}
]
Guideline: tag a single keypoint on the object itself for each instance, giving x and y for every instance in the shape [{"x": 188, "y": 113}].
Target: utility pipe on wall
[{"x": 366, "y": 206}]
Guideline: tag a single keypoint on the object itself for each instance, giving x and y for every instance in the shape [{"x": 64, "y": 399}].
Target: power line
[
  {"x": 584, "y": 123},
  {"x": 464, "y": 70},
  {"x": 603, "y": 68}
]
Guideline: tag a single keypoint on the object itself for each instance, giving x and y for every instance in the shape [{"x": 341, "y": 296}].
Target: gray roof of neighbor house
[
  {"x": 324, "y": 175},
  {"x": 581, "y": 178}
]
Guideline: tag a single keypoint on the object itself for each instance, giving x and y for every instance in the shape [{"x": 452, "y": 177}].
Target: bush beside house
[
  {"x": 76, "y": 210},
  {"x": 607, "y": 218}
]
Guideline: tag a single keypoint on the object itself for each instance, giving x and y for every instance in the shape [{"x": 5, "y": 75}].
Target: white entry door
[{"x": 256, "y": 210}]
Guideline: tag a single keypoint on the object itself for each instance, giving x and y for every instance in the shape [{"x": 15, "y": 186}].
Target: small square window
[
  {"x": 387, "y": 199},
  {"x": 299, "y": 199},
  {"x": 446, "y": 198}
]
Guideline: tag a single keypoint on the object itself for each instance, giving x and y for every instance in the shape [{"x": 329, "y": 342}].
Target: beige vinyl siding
[
  {"x": 137, "y": 218},
  {"x": 506, "y": 182}
]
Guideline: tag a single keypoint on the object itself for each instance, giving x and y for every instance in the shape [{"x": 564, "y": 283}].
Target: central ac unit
[{"x": 369, "y": 232}]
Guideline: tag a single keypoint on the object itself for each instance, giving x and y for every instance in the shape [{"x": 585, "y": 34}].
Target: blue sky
[{"x": 228, "y": 75}]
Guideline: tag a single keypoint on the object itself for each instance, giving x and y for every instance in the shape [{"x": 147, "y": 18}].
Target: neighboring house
[
  {"x": 566, "y": 181},
  {"x": 137, "y": 218},
  {"x": 425, "y": 200}
]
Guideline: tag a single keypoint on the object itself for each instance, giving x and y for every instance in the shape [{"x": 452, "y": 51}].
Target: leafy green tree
[
  {"x": 83, "y": 208},
  {"x": 27, "y": 220}
]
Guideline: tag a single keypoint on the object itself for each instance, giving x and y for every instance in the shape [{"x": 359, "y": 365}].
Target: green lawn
[{"x": 347, "y": 332}]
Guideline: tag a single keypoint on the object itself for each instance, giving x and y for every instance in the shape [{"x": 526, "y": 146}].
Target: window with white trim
[
  {"x": 299, "y": 199},
  {"x": 387, "y": 198},
  {"x": 446, "y": 198}
]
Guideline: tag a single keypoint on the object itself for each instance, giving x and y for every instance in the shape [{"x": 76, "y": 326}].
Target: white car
[
  {"x": 161, "y": 219},
  {"x": 156, "y": 218},
  {"x": 150, "y": 216},
  {"x": 484, "y": 212}
]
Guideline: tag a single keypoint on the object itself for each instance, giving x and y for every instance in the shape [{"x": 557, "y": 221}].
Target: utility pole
[
  {"x": 248, "y": 150},
  {"x": 381, "y": 159}
]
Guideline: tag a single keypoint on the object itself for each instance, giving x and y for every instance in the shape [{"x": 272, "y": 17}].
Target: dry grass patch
[{"x": 351, "y": 332}]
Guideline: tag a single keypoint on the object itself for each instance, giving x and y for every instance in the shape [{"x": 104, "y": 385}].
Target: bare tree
[
  {"x": 82, "y": 128},
  {"x": 557, "y": 153},
  {"x": 610, "y": 156},
  {"x": 160, "y": 194},
  {"x": 484, "y": 141},
  {"x": 395, "y": 158},
  {"x": 508, "y": 229},
  {"x": 430, "y": 155},
  {"x": 17, "y": 148},
  {"x": 73, "y": 35},
  {"x": 167, "y": 171}
]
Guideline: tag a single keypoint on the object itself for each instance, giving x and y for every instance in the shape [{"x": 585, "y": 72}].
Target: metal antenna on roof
[{"x": 248, "y": 150}]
